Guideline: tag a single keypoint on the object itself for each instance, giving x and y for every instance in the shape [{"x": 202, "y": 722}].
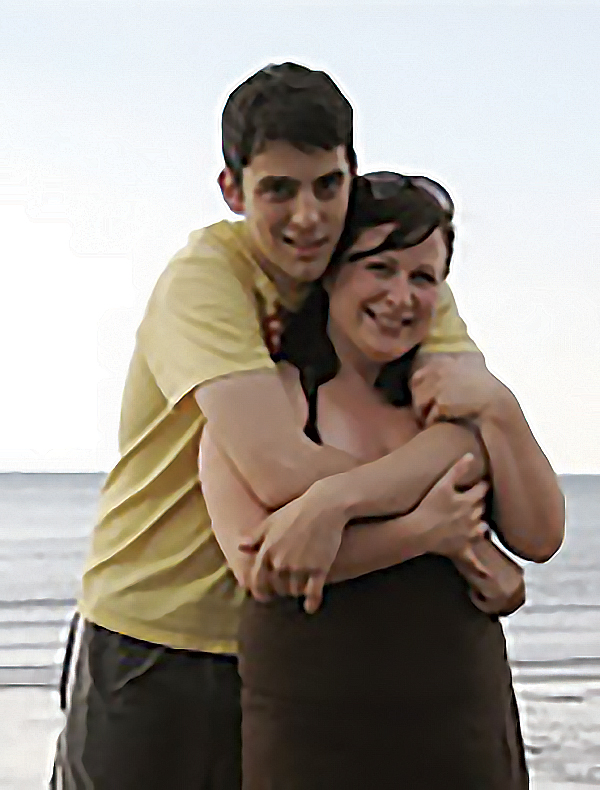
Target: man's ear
[{"x": 231, "y": 191}]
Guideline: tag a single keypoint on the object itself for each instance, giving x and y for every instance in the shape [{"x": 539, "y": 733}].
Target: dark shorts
[{"x": 141, "y": 715}]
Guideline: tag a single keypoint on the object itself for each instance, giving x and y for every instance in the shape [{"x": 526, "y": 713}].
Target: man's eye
[
  {"x": 278, "y": 190},
  {"x": 327, "y": 186}
]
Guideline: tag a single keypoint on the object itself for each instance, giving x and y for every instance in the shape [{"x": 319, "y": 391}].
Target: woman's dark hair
[
  {"x": 418, "y": 212},
  {"x": 285, "y": 102}
]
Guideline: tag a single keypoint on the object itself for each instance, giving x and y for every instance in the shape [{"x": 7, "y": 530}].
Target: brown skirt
[{"x": 399, "y": 681}]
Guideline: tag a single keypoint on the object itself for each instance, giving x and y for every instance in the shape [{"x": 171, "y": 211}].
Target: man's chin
[{"x": 307, "y": 271}]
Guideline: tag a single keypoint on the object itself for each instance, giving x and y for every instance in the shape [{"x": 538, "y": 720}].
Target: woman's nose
[{"x": 399, "y": 292}]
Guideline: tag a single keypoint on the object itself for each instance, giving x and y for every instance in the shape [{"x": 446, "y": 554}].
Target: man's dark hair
[
  {"x": 286, "y": 102},
  {"x": 305, "y": 342}
]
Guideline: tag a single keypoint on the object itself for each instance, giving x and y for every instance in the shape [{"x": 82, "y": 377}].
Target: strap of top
[{"x": 311, "y": 395}]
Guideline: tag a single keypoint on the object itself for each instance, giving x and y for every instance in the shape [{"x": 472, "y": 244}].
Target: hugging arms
[{"x": 424, "y": 479}]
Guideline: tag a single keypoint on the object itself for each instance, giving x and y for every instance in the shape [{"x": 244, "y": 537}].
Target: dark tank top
[
  {"x": 396, "y": 663},
  {"x": 310, "y": 428},
  {"x": 415, "y": 619}
]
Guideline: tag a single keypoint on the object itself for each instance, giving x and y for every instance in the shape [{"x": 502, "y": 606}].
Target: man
[{"x": 155, "y": 700}]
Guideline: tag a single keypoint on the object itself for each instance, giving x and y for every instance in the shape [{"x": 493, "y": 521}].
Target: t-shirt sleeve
[
  {"x": 448, "y": 333},
  {"x": 202, "y": 323}
]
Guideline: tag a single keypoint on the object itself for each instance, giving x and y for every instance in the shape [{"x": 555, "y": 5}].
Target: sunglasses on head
[{"x": 384, "y": 185}]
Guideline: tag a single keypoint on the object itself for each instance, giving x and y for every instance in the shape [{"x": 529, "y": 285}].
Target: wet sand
[{"x": 561, "y": 724}]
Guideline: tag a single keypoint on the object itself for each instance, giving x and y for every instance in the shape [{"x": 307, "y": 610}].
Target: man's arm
[
  {"x": 202, "y": 334},
  {"x": 529, "y": 505},
  {"x": 251, "y": 418},
  {"x": 237, "y": 516},
  {"x": 530, "y": 510},
  {"x": 302, "y": 540}
]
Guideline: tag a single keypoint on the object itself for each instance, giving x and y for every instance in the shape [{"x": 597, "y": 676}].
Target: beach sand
[
  {"x": 561, "y": 726},
  {"x": 30, "y": 721}
]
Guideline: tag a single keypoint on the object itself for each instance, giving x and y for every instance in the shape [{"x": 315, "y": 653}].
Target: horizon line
[{"x": 107, "y": 471}]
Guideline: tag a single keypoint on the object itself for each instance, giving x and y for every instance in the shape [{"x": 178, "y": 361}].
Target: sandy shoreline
[
  {"x": 30, "y": 720},
  {"x": 561, "y": 725}
]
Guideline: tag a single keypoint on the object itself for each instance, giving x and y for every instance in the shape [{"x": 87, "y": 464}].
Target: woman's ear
[{"x": 232, "y": 192}]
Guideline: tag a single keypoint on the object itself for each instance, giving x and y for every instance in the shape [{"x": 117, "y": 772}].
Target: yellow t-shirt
[{"x": 155, "y": 571}]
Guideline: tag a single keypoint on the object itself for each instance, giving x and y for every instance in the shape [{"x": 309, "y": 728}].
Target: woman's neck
[
  {"x": 354, "y": 367},
  {"x": 357, "y": 373}
]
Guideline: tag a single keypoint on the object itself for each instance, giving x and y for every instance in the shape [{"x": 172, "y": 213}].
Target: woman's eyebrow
[
  {"x": 357, "y": 256},
  {"x": 380, "y": 250},
  {"x": 425, "y": 267}
]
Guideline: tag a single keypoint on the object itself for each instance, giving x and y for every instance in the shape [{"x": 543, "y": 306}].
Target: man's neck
[{"x": 291, "y": 291}]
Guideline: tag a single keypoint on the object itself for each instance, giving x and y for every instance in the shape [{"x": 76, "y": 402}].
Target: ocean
[{"x": 553, "y": 641}]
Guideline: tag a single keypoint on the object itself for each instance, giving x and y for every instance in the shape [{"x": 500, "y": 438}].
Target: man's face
[{"x": 295, "y": 205}]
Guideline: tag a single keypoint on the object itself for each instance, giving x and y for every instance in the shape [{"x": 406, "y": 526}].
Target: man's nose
[{"x": 305, "y": 213}]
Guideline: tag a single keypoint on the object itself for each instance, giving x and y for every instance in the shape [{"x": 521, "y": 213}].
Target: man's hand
[
  {"x": 295, "y": 553},
  {"x": 453, "y": 387}
]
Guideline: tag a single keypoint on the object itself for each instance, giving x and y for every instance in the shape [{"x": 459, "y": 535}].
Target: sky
[{"x": 110, "y": 150}]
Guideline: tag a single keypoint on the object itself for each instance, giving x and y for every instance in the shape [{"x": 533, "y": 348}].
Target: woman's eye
[
  {"x": 378, "y": 266},
  {"x": 424, "y": 277}
]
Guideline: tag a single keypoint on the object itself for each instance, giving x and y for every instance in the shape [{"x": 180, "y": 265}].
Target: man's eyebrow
[
  {"x": 272, "y": 180},
  {"x": 337, "y": 173}
]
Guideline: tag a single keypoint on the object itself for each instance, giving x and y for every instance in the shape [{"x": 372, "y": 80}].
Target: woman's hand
[
  {"x": 502, "y": 592},
  {"x": 458, "y": 386},
  {"x": 453, "y": 519}
]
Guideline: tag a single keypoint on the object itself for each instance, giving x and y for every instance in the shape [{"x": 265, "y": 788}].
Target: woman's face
[{"x": 381, "y": 306}]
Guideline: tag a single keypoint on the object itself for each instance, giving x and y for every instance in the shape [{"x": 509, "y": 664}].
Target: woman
[{"x": 398, "y": 681}]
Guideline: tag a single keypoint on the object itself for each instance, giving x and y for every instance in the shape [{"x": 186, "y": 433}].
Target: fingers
[
  {"x": 260, "y": 582},
  {"x": 313, "y": 592},
  {"x": 250, "y": 545},
  {"x": 262, "y": 590},
  {"x": 281, "y": 582},
  {"x": 267, "y": 582},
  {"x": 423, "y": 394},
  {"x": 457, "y": 472},
  {"x": 422, "y": 405},
  {"x": 479, "y": 568},
  {"x": 418, "y": 376},
  {"x": 495, "y": 605},
  {"x": 476, "y": 493},
  {"x": 478, "y": 512},
  {"x": 480, "y": 601},
  {"x": 297, "y": 584},
  {"x": 432, "y": 415}
]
